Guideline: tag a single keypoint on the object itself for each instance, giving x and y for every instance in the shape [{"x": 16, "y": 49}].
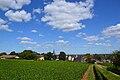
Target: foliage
[
  {"x": 116, "y": 58},
  {"x": 48, "y": 56},
  {"x": 62, "y": 56},
  {"x": 88, "y": 57},
  {"x": 28, "y": 54},
  {"x": 3, "y": 53},
  {"x": 41, "y": 70},
  {"x": 97, "y": 57},
  {"x": 13, "y": 53}
]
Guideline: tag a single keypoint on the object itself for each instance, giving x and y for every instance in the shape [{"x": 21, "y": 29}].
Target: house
[
  {"x": 71, "y": 58},
  {"x": 40, "y": 57},
  {"x": 76, "y": 58},
  {"x": 80, "y": 58},
  {"x": 8, "y": 57}
]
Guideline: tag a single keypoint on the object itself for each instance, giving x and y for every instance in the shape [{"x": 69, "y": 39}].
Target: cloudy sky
[{"x": 73, "y": 26}]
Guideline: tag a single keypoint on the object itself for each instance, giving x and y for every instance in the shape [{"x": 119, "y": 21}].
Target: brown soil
[{"x": 86, "y": 74}]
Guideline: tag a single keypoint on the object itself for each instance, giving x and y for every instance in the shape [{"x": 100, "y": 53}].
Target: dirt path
[{"x": 85, "y": 76}]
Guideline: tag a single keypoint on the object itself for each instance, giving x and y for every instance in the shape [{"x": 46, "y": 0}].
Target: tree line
[{"x": 32, "y": 55}]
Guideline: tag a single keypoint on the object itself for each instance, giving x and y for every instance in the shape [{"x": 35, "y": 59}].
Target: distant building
[
  {"x": 40, "y": 57},
  {"x": 8, "y": 57}
]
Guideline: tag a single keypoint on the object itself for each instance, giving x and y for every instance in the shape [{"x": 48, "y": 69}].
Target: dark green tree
[
  {"x": 97, "y": 57},
  {"x": 88, "y": 57},
  {"x": 48, "y": 56},
  {"x": 62, "y": 56},
  {"x": 115, "y": 57},
  {"x": 13, "y": 53},
  {"x": 54, "y": 57},
  {"x": 28, "y": 54},
  {"x": 3, "y": 53}
]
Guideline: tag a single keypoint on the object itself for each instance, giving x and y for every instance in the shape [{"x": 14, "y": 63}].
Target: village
[{"x": 97, "y": 58}]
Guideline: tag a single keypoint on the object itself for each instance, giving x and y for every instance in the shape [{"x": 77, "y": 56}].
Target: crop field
[{"x": 41, "y": 70}]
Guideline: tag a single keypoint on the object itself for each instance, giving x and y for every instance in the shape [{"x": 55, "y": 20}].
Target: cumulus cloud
[
  {"x": 5, "y": 27},
  {"x": 45, "y": 44},
  {"x": 24, "y": 38},
  {"x": 13, "y": 4},
  {"x": 20, "y": 31},
  {"x": 60, "y": 37},
  {"x": 55, "y": 43},
  {"x": 18, "y": 16},
  {"x": 28, "y": 42},
  {"x": 67, "y": 16},
  {"x": 102, "y": 44},
  {"x": 112, "y": 31},
  {"x": 40, "y": 35},
  {"x": 34, "y": 31},
  {"x": 37, "y": 10},
  {"x": 81, "y": 34},
  {"x": 2, "y": 21},
  {"x": 61, "y": 42},
  {"x": 93, "y": 38}
]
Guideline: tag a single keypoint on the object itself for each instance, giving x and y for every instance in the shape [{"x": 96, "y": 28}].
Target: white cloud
[
  {"x": 28, "y": 42},
  {"x": 60, "y": 37},
  {"x": 45, "y": 44},
  {"x": 61, "y": 42},
  {"x": 108, "y": 41},
  {"x": 18, "y": 16},
  {"x": 13, "y": 4},
  {"x": 34, "y": 31},
  {"x": 81, "y": 34},
  {"x": 102, "y": 44},
  {"x": 20, "y": 31},
  {"x": 41, "y": 35},
  {"x": 5, "y": 27},
  {"x": 24, "y": 38},
  {"x": 93, "y": 38},
  {"x": 2, "y": 21},
  {"x": 67, "y": 16},
  {"x": 118, "y": 41},
  {"x": 37, "y": 10},
  {"x": 90, "y": 43},
  {"x": 112, "y": 31}
]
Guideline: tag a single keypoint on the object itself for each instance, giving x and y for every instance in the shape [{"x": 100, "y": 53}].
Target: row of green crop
[
  {"x": 91, "y": 75},
  {"x": 41, "y": 70},
  {"x": 103, "y": 74},
  {"x": 112, "y": 68}
]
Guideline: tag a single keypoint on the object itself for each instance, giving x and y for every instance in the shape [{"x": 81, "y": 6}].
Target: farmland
[{"x": 41, "y": 70}]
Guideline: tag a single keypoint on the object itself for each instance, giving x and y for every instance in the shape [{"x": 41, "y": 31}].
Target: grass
[{"x": 41, "y": 70}]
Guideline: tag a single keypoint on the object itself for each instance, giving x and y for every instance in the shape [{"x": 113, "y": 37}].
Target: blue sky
[{"x": 73, "y": 26}]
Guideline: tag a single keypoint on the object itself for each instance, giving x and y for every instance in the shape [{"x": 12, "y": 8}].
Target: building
[
  {"x": 40, "y": 57},
  {"x": 9, "y": 57}
]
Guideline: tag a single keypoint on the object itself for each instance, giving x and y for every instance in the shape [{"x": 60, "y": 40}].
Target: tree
[
  {"x": 54, "y": 57},
  {"x": 62, "y": 56},
  {"x": 48, "y": 56},
  {"x": 116, "y": 58},
  {"x": 28, "y": 54},
  {"x": 3, "y": 53},
  {"x": 88, "y": 57},
  {"x": 13, "y": 53},
  {"x": 97, "y": 57}
]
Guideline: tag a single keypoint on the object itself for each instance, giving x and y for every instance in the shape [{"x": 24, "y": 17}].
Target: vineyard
[{"x": 41, "y": 70}]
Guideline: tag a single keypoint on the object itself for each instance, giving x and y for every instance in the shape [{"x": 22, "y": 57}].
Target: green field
[{"x": 41, "y": 70}]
